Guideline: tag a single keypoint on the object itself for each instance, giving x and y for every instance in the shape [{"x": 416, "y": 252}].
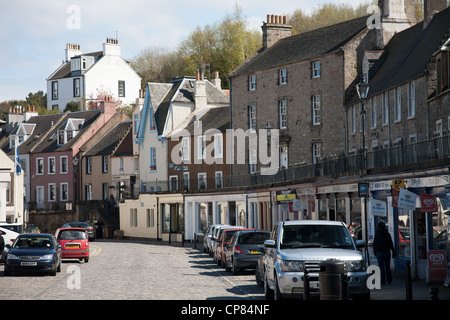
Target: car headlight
[
  {"x": 47, "y": 257},
  {"x": 356, "y": 265},
  {"x": 12, "y": 257},
  {"x": 291, "y": 266}
]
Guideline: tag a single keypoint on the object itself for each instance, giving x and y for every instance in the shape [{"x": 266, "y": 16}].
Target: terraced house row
[{"x": 353, "y": 105}]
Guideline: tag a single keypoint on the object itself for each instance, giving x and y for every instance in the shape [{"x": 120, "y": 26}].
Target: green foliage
[{"x": 72, "y": 106}]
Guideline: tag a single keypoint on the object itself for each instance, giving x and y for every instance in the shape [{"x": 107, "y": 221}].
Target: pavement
[{"x": 420, "y": 290}]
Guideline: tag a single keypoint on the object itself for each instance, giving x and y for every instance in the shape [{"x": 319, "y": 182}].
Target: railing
[{"x": 420, "y": 155}]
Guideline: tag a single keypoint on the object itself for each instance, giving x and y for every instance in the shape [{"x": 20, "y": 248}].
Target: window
[
  {"x": 120, "y": 164},
  {"x": 373, "y": 112},
  {"x": 54, "y": 90},
  {"x": 133, "y": 217},
  {"x": 51, "y": 165},
  {"x": 316, "y": 112},
  {"x": 136, "y": 123},
  {"x": 40, "y": 166},
  {"x": 352, "y": 120},
  {"x": 88, "y": 191},
  {"x": 202, "y": 180},
  {"x": 282, "y": 76},
  {"x": 51, "y": 192},
  {"x": 121, "y": 88},
  {"x": 252, "y": 161},
  {"x": 397, "y": 104},
  {"x": 316, "y": 152},
  {"x": 76, "y": 87},
  {"x": 316, "y": 69},
  {"x": 282, "y": 111},
  {"x": 152, "y": 159},
  {"x": 75, "y": 64},
  {"x": 201, "y": 147},
  {"x": 186, "y": 180},
  {"x": 150, "y": 218},
  {"x": 104, "y": 164},
  {"x": 439, "y": 128},
  {"x": 411, "y": 100},
  {"x": 252, "y": 117},
  {"x": 252, "y": 83},
  {"x": 63, "y": 162},
  {"x": 219, "y": 179},
  {"x": 88, "y": 165},
  {"x": 64, "y": 191},
  {"x": 218, "y": 145},
  {"x": 105, "y": 188},
  {"x": 185, "y": 149},
  {"x": 385, "y": 111},
  {"x": 173, "y": 183}
]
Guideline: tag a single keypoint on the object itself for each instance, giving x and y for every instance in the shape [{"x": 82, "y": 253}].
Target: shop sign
[
  {"x": 428, "y": 203},
  {"x": 285, "y": 196},
  {"x": 395, "y": 195},
  {"x": 407, "y": 199},
  {"x": 363, "y": 190},
  {"x": 397, "y": 184},
  {"x": 378, "y": 207},
  {"x": 437, "y": 266},
  {"x": 296, "y": 205}
]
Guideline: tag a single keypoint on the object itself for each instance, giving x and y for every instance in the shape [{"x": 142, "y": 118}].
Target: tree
[{"x": 72, "y": 106}]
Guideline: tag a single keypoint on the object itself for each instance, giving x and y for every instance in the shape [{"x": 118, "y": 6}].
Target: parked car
[
  {"x": 8, "y": 238},
  {"x": 207, "y": 239},
  {"x": 74, "y": 243},
  {"x": 298, "y": 245},
  {"x": 34, "y": 252},
  {"x": 86, "y": 226},
  {"x": 216, "y": 236},
  {"x": 244, "y": 250},
  {"x": 259, "y": 271},
  {"x": 223, "y": 242}
]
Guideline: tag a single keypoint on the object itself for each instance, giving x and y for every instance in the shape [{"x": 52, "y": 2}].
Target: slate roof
[
  {"x": 50, "y": 143},
  {"x": 109, "y": 142},
  {"x": 43, "y": 123},
  {"x": 213, "y": 118},
  {"x": 408, "y": 53},
  {"x": 304, "y": 46},
  {"x": 64, "y": 71}
]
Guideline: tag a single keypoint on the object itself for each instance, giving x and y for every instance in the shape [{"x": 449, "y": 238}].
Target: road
[{"x": 121, "y": 270}]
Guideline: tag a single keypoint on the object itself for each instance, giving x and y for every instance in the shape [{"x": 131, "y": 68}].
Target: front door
[{"x": 40, "y": 197}]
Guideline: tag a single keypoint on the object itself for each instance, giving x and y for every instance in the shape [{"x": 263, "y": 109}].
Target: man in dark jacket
[{"x": 382, "y": 247}]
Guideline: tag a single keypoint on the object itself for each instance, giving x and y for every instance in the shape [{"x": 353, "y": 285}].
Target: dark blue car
[{"x": 34, "y": 252}]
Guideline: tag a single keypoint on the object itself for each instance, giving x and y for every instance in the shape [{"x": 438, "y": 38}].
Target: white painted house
[{"x": 83, "y": 76}]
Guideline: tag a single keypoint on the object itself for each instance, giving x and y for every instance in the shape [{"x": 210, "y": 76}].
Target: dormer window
[
  {"x": 75, "y": 64},
  {"x": 70, "y": 130},
  {"x": 23, "y": 133}
]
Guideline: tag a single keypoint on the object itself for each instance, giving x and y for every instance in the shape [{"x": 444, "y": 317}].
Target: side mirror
[
  {"x": 360, "y": 244},
  {"x": 269, "y": 244}
]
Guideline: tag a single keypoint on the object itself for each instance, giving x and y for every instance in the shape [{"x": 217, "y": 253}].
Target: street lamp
[{"x": 75, "y": 172}]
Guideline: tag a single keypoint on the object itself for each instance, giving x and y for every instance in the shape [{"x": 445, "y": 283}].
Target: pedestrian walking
[{"x": 382, "y": 247}]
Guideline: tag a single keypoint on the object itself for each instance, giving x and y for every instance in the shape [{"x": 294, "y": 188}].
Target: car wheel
[
  {"x": 53, "y": 272},
  {"x": 86, "y": 260},
  {"x": 259, "y": 279},
  {"x": 58, "y": 268},
  {"x": 7, "y": 273},
  {"x": 268, "y": 293},
  {"x": 227, "y": 268}
]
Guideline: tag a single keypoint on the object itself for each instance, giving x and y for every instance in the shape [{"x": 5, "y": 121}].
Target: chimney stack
[
  {"x": 276, "y": 28},
  {"x": 216, "y": 80},
  {"x": 200, "y": 98},
  {"x": 72, "y": 50},
  {"x": 111, "y": 47}
]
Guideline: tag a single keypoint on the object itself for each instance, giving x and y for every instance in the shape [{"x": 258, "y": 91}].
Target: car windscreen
[
  {"x": 33, "y": 243},
  {"x": 253, "y": 238},
  {"x": 72, "y": 235},
  {"x": 315, "y": 236}
]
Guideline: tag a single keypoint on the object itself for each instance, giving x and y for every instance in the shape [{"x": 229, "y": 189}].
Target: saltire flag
[{"x": 17, "y": 161}]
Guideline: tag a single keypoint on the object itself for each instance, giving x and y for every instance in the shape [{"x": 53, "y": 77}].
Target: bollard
[
  {"x": 306, "y": 287},
  {"x": 409, "y": 295},
  {"x": 344, "y": 286},
  {"x": 329, "y": 279},
  {"x": 434, "y": 293},
  {"x": 195, "y": 241}
]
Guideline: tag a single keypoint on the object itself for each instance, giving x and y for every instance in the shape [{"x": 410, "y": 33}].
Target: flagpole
[{"x": 15, "y": 177}]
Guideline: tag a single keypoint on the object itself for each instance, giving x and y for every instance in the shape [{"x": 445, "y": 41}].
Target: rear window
[
  {"x": 253, "y": 238},
  {"x": 72, "y": 235}
]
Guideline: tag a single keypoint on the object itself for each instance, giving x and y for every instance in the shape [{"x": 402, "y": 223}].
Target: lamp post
[
  {"x": 75, "y": 172},
  {"x": 362, "y": 89}
]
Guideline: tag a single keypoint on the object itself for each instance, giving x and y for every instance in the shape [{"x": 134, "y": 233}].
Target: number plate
[
  {"x": 28, "y": 264},
  {"x": 254, "y": 251},
  {"x": 72, "y": 246}
]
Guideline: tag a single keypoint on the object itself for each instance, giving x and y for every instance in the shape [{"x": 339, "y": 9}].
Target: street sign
[
  {"x": 181, "y": 168},
  {"x": 397, "y": 184}
]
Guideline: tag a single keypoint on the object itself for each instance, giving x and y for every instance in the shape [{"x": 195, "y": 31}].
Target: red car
[
  {"x": 74, "y": 243},
  {"x": 223, "y": 243}
]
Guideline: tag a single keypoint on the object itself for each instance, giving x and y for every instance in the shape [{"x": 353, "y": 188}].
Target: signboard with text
[
  {"x": 428, "y": 203},
  {"x": 407, "y": 199},
  {"x": 437, "y": 266}
]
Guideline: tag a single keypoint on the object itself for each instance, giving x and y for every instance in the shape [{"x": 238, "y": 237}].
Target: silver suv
[{"x": 296, "y": 246}]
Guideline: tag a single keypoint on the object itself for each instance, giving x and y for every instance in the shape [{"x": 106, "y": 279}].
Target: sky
[{"x": 34, "y": 33}]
